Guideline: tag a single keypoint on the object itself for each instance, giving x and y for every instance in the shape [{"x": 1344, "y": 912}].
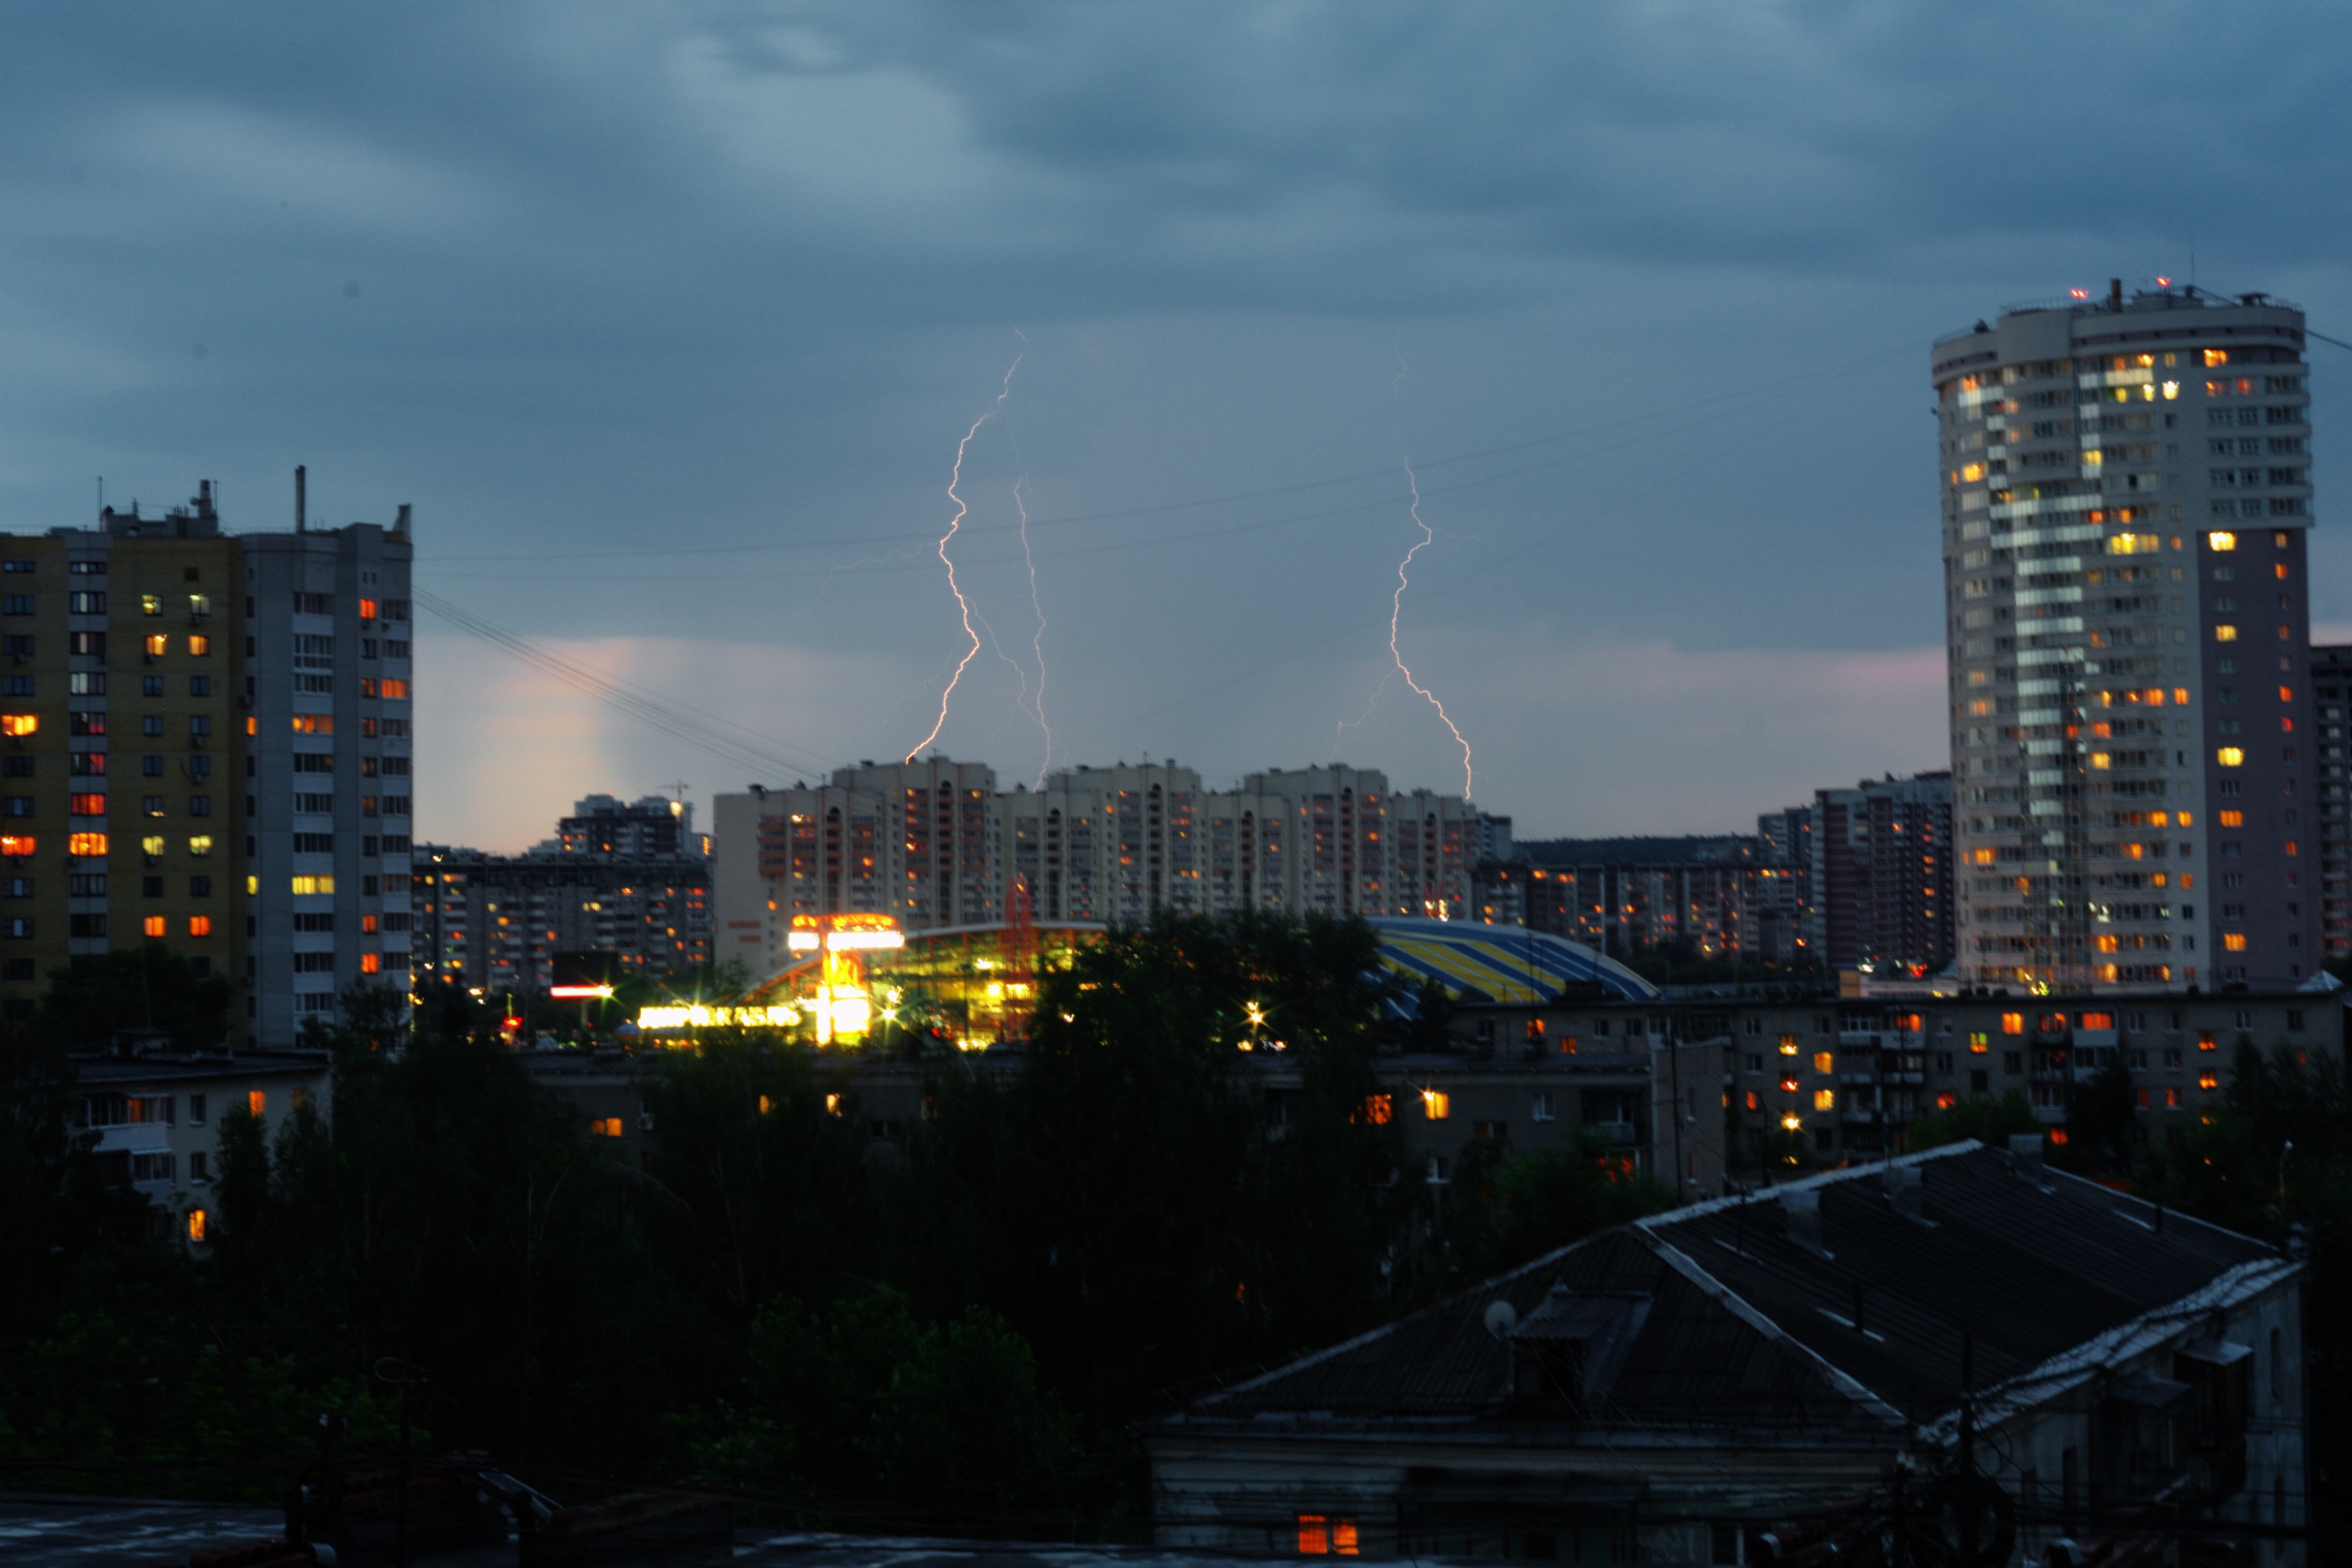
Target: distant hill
[{"x": 1693, "y": 850}]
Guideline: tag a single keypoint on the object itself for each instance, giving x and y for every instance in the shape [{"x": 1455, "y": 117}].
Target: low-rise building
[
  {"x": 1845, "y": 1075},
  {"x": 1704, "y": 1385},
  {"x": 156, "y": 1112}
]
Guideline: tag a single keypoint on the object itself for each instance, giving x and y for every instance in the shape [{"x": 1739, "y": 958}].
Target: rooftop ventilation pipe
[
  {"x": 2026, "y": 1153},
  {"x": 1804, "y": 1213}
]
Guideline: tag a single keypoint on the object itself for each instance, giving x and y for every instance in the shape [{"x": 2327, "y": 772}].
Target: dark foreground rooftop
[{"x": 89, "y": 1533}]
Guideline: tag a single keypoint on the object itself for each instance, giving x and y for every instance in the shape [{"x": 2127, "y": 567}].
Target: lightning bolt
[
  {"x": 1037, "y": 642},
  {"x": 1396, "y": 610},
  {"x": 963, "y": 605}
]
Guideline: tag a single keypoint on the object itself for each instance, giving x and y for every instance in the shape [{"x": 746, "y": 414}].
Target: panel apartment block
[{"x": 2125, "y": 494}]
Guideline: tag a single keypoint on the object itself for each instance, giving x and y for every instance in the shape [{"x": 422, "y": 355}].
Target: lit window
[
  {"x": 2234, "y": 941},
  {"x": 90, "y": 843},
  {"x": 153, "y": 844},
  {"x": 1787, "y": 1045},
  {"x": 1978, "y": 1042},
  {"x": 158, "y": 645},
  {"x": 1982, "y": 857},
  {"x": 1754, "y": 1103},
  {"x": 200, "y": 925},
  {"x": 19, "y": 723},
  {"x": 367, "y": 609},
  {"x": 154, "y": 925},
  {"x": 252, "y": 885},
  {"x": 201, "y": 845},
  {"x": 196, "y": 1225},
  {"x": 370, "y": 963},
  {"x": 19, "y": 844},
  {"x": 2220, "y": 541},
  {"x": 2099, "y": 759},
  {"x": 314, "y": 723},
  {"x": 1319, "y": 1536},
  {"x": 1824, "y": 1062},
  {"x": 150, "y": 604},
  {"x": 252, "y": 725},
  {"x": 1970, "y": 473},
  {"x": 1825, "y": 1099},
  {"x": 605, "y": 1127},
  {"x": 2208, "y": 1041},
  {"x": 2172, "y": 1100},
  {"x": 257, "y": 1103},
  {"x": 2098, "y": 1021},
  {"x": 2231, "y": 756},
  {"x": 199, "y": 646},
  {"x": 395, "y": 690},
  {"x": 1378, "y": 1109},
  {"x": 2233, "y": 818},
  {"x": 2225, "y": 634},
  {"x": 832, "y": 1104},
  {"x": 308, "y": 884},
  {"x": 2012, "y": 1023},
  {"x": 1946, "y": 1101},
  {"x": 1788, "y": 1086},
  {"x": 1436, "y": 1104},
  {"x": 2208, "y": 1078}
]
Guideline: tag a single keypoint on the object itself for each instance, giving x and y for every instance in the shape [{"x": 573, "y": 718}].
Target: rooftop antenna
[{"x": 301, "y": 498}]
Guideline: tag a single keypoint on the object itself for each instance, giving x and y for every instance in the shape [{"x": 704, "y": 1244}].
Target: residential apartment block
[
  {"x": 1882, "y": 874},
  {"x": 937, "y": 843},
  {"x": 2126, "y": 489},
  {"x": 628, "y": 882},
  {"x": 205, "y": 745},
  {"x": 2331, "y": 686}
]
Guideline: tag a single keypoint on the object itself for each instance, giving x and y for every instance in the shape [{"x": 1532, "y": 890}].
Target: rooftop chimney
[
  {"x": 301, "y": 498},
  {"x": 1903, "y": 1191},
  {"x": 2115, "y": 295},
  {"x": 400, "y": 524},
  {"x": 2026, "y": 1153},
  {"x": 1804, "y": 1213}
]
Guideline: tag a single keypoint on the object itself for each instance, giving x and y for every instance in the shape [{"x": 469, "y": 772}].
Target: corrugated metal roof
[{"x": 2031, "y": 1266}]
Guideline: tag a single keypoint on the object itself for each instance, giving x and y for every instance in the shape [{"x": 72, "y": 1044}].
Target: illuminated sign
[
  {"x": 579, "y": 993},
  {"x": 701, "y": 1017},
  {"x": 844, "y": 932}
]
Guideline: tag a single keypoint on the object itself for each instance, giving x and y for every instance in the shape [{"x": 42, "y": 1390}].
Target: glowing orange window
[
  {"x": 200, "y": 925},
  {"x": 370, "y": 963},
  {"x": 158, "y": 645},
  {"x": 2012, "y": 1023},
  {"x": 154, "y": 925},
  {"x": 256, "y": 1102}
]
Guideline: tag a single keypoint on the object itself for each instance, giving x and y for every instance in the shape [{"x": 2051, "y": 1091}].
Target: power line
[{"x": 707, "y": 732}]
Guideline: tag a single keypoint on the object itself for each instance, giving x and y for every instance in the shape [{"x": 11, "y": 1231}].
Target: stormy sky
[{"x": 668, "y": 320}]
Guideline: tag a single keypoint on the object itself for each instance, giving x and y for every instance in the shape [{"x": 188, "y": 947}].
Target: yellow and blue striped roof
[{"x": 1500, "y": 964}]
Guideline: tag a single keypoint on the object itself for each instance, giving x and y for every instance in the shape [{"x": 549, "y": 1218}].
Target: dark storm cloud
[{"x": 579, "y": 278}]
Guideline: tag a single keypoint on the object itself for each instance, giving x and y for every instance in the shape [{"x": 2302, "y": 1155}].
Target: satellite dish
[{"x": 1501, "y": 1317}]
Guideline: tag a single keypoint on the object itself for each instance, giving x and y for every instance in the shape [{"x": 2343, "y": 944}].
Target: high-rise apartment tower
[
  {"x": 2126, "y": 491},
  {"x": 203, "y": 743}
]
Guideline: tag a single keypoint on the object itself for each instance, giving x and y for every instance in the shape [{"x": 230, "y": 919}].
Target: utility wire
[{"x": 707, "y": 732}]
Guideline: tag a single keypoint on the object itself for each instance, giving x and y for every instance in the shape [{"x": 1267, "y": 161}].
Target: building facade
[
  {"x": 329, "y": 769},
  {"x": 1882, "y": 874},
  {"x": 629, "y": 883},
  {"x": 2331, "y": 685},
  {"x": 161, "y": 678},
  {"x": 937, "y": 845},
  {"x": 2125, "y": 492}
]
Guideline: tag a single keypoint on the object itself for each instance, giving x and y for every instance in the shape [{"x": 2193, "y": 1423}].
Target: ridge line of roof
[
  {"x": 2081, "y": 1361},
  {"x": 1369, "y": 1335},
  {"x": 1806, "y": 1183},
  {"x": 1845, "y": 1383},
  {"x": 2150, "y": 1205}
]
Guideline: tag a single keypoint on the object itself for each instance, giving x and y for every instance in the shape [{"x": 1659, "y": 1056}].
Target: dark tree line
[{"x": 960, "y": 1322}]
